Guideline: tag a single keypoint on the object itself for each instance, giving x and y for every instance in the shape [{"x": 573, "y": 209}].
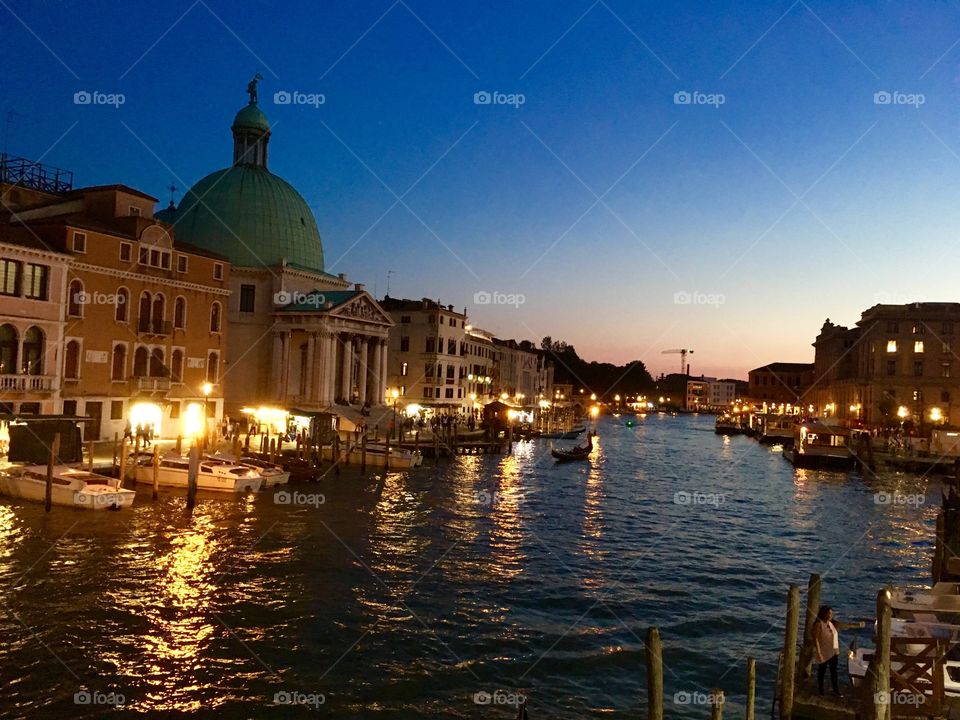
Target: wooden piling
[
  {"x": 336, "y": 453},
  {"x": 54, "y": 457},
  {"x": 179, "y": 444},
  {"x": 156, "y": 472},
  {"x": 124, "y": 455},
  {"x": 813, "y": 607},
  {"x": 751, "y": 687},
  {"x": 788, "y": 677},
  {"x": 192, "y": 472},
  {"x": 716, "y": 704},
  {"x": 363, "y": 454},
  {"x": 90, "y": 456},
  {"x": 116, "y": 449},
  {"x": 881, "y": 699},
  {"x": 654, "y": 652}
]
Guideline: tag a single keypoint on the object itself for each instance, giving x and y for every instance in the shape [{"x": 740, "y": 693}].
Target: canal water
[{"x": 450, "y": 591}]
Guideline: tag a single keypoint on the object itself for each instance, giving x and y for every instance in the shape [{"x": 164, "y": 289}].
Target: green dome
[
  {"x": 252, "y": 217},
  {"x": 251, "y": 116}
]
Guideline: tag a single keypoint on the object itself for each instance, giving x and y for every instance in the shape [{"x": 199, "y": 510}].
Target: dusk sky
[{"x": 814, "y": 172}]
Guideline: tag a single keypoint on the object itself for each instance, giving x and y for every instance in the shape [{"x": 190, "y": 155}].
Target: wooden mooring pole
[
  {"x": 788, "y": 676},
  {"x": 813, "y": 607},
  {"x": 716, "y": 704},
  {"x": 363, "y": 454},
  {"x": 156, "y": 472},
  {"x": 751, "y": 687},
  {"x": 192, "y": 471},
  {"x": 654, "y": 652},
  {"x": 54, "y": 457},
  {"x": 875, "y": 700},
  {"x": 124, "y": 455}
]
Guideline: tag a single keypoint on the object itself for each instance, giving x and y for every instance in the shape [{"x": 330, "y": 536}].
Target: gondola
[{"x": 576, "y": 453}]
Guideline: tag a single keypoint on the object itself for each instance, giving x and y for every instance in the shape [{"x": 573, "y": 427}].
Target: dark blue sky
[{"x": 796, "y": 199}]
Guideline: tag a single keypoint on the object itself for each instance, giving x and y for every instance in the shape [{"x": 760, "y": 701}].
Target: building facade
[
  {"x": 897, "y": 364},
  {"x": 781, "y": 383},
  {"x": 142, "y": 329}
]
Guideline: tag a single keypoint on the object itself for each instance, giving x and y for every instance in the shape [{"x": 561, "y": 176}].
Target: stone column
[
  {"x": 308, "y": 384},
  {"x": 383, "y": 371},
  {"x": 277, "y": 364},
  {"x": 285, "y": 366},
  {"x": 375, "y": 373},
  {"x": 363, "y": 371},
  {"x": 329, "y": 369},
  {"x": 346, "y": 371}
]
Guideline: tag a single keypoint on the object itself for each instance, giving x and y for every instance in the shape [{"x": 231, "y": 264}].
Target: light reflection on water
[{"x": 405, "y": 595}]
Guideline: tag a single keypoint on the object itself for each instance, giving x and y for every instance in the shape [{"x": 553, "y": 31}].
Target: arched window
[
  {"x": 32, "y": 363},
  {"x": 180, "y": 313},
  {"x": 215, "y": 317},
  {"x": 119, "y": 364},
  {"x": 213, "y": 367},
  {"x": 122, "y": 311},
  {"x": 157, "y": 368},
  {"x": 71, "y": 361},
  {"x": 159, "y": 305},
  {"x": 75, "y": 299},
  {"x": 140, "y": 358},
  {"x": 8, "y": 350},
  {"x": 176, "y": 366},
  {"x": 143, "y": 316}
]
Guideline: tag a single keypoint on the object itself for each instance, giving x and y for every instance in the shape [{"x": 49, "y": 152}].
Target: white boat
[
  {"x": 71, "y": 487},
  {"x": 211, "y": 475},
  {"x": 272, "y": 474},
  {"x": 400, "y": 459}
]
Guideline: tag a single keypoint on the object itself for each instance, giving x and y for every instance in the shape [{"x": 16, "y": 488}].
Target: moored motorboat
[
  {"x": 173, "y": 471},
  {"x": 70, "y": 487},
  {"x": 818, "y": 446},
  {"x": 727, "y": 425},
  {"x": 272, "y": 474},
  {"x": 377, "y": 456}
]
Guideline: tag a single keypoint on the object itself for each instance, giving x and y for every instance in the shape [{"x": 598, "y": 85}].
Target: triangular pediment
[{"x": 364, "y": 308}]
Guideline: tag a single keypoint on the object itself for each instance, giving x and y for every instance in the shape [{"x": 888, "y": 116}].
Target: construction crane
[{"x": 682, "y": 352}]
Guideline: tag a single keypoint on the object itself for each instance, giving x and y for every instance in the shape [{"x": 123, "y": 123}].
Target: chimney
[
  {"x": 342, "y": 276},
  {"x": 358, "y": 286}
]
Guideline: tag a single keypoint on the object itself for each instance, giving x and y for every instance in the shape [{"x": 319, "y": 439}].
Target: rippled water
[{"x": 404, "y": 596}]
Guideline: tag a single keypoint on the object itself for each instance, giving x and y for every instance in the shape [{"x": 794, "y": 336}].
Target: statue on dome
[{"x": 252, "y": 88}]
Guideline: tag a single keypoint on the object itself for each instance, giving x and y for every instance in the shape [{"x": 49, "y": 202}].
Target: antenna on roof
[
  {"x": 173, "y": 193},
  {"x": 390, "y": 273}
]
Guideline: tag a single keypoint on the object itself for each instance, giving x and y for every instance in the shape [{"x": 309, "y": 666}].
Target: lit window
[
  {"x": 918, "y": 346},
  {"x": 891, "y": 345},
  {"x": 403, "y": 369}
]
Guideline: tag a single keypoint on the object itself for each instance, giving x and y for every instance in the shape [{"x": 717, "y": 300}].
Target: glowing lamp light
[
  {"x": 594, "y": 411},
  {"x": 193, "y": 420},
  {"x": 146, "y": 414},
  {"x": 936, "y": 415},
  {"x": 512, "y": 414},
  {"x": 902, "y": 412},
  {"x": 503, "y": 396},
  {"x": 394, "y": 393},
  {"x": 593, "y": 396},
  {"x": 207, "y": 388}
]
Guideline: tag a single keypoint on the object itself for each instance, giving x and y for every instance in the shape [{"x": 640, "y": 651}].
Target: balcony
[
  {"x": 26, "y": 383},
  {"x": 154, "y": 327},
  {"x": 149, "y": 385}
]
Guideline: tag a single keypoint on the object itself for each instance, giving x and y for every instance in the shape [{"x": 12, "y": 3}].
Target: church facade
[{"x": 300, "y": 338}]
